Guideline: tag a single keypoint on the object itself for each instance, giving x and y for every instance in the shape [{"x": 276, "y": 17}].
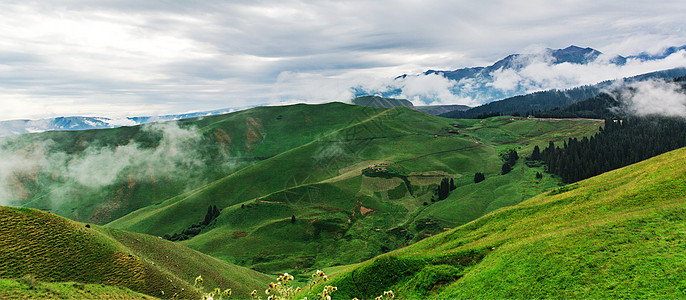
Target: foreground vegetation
[
  {"x": 49, "y": 248},
  {"x": 617, "y": 235},
  {"x": 30, "y": 288}
]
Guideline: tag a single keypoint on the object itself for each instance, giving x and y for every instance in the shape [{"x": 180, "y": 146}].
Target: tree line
[{"x": 619, "y": 143}]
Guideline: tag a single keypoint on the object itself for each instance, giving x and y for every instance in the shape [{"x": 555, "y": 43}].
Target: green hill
[
  {"x": 343, "y": 216},
  {"x": 261, "y": 167},
  {"x": 71, "y": 172},
  {"x": 52, "y": 248},
  {"x": 617, "y": 235}
]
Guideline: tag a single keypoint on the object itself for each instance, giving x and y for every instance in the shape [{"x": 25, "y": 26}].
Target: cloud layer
[{"x": 115, "y": 58}]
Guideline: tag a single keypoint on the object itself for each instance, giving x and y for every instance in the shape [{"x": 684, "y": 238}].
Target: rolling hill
[
  {"x": 617, "y": 235},
  {"x": 286, "y": 186},
  {"x": 50, "y": 248},
  {"x": 321, "y": 184}
]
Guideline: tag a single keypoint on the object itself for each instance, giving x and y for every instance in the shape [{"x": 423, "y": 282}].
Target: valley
[{"x": 297, "y": 199}]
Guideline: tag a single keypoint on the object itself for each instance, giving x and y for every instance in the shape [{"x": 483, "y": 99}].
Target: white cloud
[
  {"x": 115, "y": 58},
  {"x": 654, "y": 97}
]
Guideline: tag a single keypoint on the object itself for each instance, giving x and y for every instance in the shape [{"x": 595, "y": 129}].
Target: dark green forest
[{"x": 618, "y": 144}]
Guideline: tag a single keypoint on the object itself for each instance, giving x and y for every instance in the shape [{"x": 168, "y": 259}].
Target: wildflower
[
  {"x": 266, "y": 291},
  {"x": 254, "y": 293},
  {"x": 198, "y": 280},
  {"x": 227, "y": 293},
  {"x": 389, "y": 294},
  {"x": 325, "y": 278},
  {"x": 298, "y": 289}
]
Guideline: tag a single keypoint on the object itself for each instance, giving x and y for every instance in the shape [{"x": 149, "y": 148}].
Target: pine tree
[
  {"x": 479, "y": 177},
  {"x": 536, "y": 155},
  {"x": 506, "y": 168}
]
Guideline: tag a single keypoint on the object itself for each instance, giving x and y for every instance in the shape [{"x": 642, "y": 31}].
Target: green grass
[
  {"x": 28, "y": 288},
  {"x": 310, "y": 162},
  {"x": 298, "y": 182},
  {"x": 52, "y": 248},
  {"x": 617, "y": 235}
]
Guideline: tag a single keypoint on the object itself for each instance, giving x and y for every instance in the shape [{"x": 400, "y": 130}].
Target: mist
[
  {"x": 653, "y": 97},
  {"x": 175, "y": 156}
]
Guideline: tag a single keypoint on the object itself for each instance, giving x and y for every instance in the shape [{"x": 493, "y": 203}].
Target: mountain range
[
  {"x": 516, "y": 74},
  {"x": 14, "y": 127}
]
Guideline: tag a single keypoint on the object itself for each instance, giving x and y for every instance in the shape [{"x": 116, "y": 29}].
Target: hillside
[
  {"x": 70, "y": 172},
  {"x": 376, "y": 101},
  {"x": 29, "y": 288},
  {"x": 617, "y": 235},
  {"x": 52, "y": 248},
  {"x": 551, "y": 99},
  {"x": 310, "y": 206}
]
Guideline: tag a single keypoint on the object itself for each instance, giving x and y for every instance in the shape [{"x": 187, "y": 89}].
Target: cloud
[
  {"x": 654, "y": 97},
  {"x": 119, "y": 58}
]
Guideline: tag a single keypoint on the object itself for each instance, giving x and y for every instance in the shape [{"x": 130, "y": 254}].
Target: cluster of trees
[
  {"x": 618, "y": 144},
  {"x": 195, "y": 229},
  {"x": 479, "y": 177},
  {"x": 510, "y": 159},
  {"x": 444, "y": 189}
]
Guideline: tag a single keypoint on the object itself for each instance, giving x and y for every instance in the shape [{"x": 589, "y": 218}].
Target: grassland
[
  {"x": 28, "y": 288},
  {"x": 53, "y": 249},
  {"x": 320, "y": 183},
  {"x": 617, "y": 235},
  {"x": 305, "y": 161}
]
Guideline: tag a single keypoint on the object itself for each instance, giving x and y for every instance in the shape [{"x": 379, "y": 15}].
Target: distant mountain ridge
[
  {"x": 381, "y": 102},
  {"x": 547, "y": 100},
  {"x": 14, "y": 127},
  {"x": 513, "y": 75},
  {"x": 376, "y": 101},
  {"x": 572, "y": 54}
]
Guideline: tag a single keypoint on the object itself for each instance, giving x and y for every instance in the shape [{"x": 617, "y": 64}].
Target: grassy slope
[
  {"x": 307, "y": 182},
  {"x": 227, "y": 142},
  {"x": 617, "y": 235},
  {"x": 52, "y": 248},
  {"x": 32, "y": 289}
]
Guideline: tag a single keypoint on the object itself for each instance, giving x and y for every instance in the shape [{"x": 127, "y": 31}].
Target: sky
[{"x": 132, "y": 58}]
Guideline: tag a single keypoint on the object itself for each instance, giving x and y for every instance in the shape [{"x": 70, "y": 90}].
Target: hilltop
[{"x": 616, "y": 235}]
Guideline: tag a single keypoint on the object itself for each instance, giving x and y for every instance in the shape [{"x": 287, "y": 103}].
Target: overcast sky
[{"x": 141, "y": 57}]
